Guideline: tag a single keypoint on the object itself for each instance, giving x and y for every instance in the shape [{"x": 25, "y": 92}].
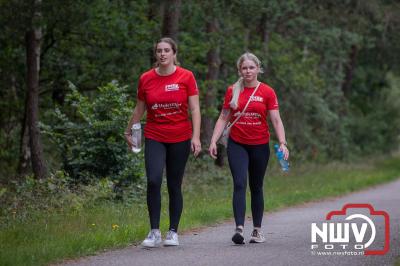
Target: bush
[{"x": 89, "y": 136}]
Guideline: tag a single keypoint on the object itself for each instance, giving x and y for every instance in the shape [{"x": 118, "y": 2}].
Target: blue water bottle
[{"x": 279, "y": 154}]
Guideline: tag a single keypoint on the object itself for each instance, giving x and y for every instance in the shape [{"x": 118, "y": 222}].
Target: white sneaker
[
  {"x": 257, "y": 237},
  {"x": 171, "y": 239},
  {"x": 153, "y": 239}
]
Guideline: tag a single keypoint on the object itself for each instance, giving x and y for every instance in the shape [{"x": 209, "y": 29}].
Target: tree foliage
[
  {"x": 89, "y": 136},
  {"x": 332, "y": 63}
]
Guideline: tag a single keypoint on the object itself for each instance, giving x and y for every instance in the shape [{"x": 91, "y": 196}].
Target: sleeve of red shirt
[
  {"x": 228, "y": 98},
  {"x": 272, "y": 100},
  {"x": 140, "y": 91},
  {"x": 192, "y": 85}
]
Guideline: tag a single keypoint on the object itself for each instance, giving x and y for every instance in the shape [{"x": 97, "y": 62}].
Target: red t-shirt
[
  {"x": 166, "y": 99},
  {"x": 252, "y": 126}
]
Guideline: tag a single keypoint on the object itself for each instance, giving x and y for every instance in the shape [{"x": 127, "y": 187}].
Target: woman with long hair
[
  {"x": 247, "y": 105},
  {"x": 167, "y": 92}
]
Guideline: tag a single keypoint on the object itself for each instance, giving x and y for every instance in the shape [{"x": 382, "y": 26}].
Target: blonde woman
[{"x": 248, "y": 144}]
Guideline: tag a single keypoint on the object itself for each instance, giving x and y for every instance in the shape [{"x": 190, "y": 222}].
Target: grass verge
[{"x": 207, "y": 192}]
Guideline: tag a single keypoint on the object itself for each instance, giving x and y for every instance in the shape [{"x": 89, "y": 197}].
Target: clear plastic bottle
[
  {"x": 280, "y": 156},
  {"x": 136, "y": 137}
]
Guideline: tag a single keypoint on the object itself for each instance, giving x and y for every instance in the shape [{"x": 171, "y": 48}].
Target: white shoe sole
[
  {"x": 256, "y": 241},
  {"x": 170, "y": 243},
  {"x": 151, "y": 245}
]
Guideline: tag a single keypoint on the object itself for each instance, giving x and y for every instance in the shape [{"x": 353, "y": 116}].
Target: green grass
[
  {"x": 207, "y": 200},
  {"x": 331, "y": 180},
  {"x": 397, "y": 262}
]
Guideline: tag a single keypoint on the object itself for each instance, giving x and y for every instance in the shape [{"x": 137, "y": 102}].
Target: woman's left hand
[
  {"x": 196, "y": 146},
  {"x": 285, "y": 150}
]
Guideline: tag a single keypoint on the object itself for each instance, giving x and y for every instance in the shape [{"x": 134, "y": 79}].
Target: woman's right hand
[
  {"x": 218, "y": 131},
  {"x": 135, "y": 118},
  {"x": 212, "y": 149},
  {"x": 128, "y": 139}
]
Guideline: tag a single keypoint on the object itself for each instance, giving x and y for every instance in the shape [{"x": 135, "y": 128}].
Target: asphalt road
[{"x": 288, "y": 234}]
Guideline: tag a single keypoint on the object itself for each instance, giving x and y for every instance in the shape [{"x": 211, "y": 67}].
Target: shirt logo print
[
  {"x": 172, "y": 87},
  {"x": 256, "y": 99},
  {"x": 165, "y": 106}
]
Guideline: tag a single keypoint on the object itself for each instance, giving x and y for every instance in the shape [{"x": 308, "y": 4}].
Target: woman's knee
[
  {"x": 153, "y": 183},
  {"x": 239, "y": 186},
  {"x": 175, "y": 190},
  {"x": 256, "y": 189}
]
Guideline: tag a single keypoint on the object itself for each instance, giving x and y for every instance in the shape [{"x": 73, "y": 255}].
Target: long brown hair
[{"x": 174, "y": 48}]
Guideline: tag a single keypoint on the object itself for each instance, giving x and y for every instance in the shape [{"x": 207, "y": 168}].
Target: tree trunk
[
  {"x": 220, "y": 156},
  {"x": 214, "y": 63},
  {"x": 265, "y": 38},
  {"x": 33, "y": 40},
  {"x": 154, "y": 12},
  {"x": 170, "y": 27},
  {"x": 14, "y": 88},
  {"x": 25, "y": 152},
  {"x": 349, "y": 71},
  {"x": 246, "y": 38}
]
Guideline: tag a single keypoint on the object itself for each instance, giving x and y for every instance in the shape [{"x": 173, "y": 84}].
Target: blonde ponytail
[{"x": 237, "y": 88}]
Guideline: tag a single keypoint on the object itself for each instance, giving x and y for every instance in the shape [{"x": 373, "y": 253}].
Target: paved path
[{"x": 288, "y": 236}]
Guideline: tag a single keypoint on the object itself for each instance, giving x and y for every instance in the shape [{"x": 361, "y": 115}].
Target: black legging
[
  {"x": 174, "y": 156},
  {"x": 254, "y": 160}
]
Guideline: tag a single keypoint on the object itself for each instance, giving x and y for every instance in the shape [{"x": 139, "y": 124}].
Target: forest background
[
  {"x": 69, "y": 71},
  {"x": 69, "y": 186}
]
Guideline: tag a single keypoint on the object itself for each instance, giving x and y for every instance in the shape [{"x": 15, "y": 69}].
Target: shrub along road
[{"x": 288, "y": 234}]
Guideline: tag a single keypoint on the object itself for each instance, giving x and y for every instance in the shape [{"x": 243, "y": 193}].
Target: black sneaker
[{"x": 238, "y": 238}]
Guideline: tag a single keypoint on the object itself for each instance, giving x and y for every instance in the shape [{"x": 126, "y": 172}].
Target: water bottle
[
  {"x": 136, "y": 137},
  {"x": 280, "y": 155}
]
